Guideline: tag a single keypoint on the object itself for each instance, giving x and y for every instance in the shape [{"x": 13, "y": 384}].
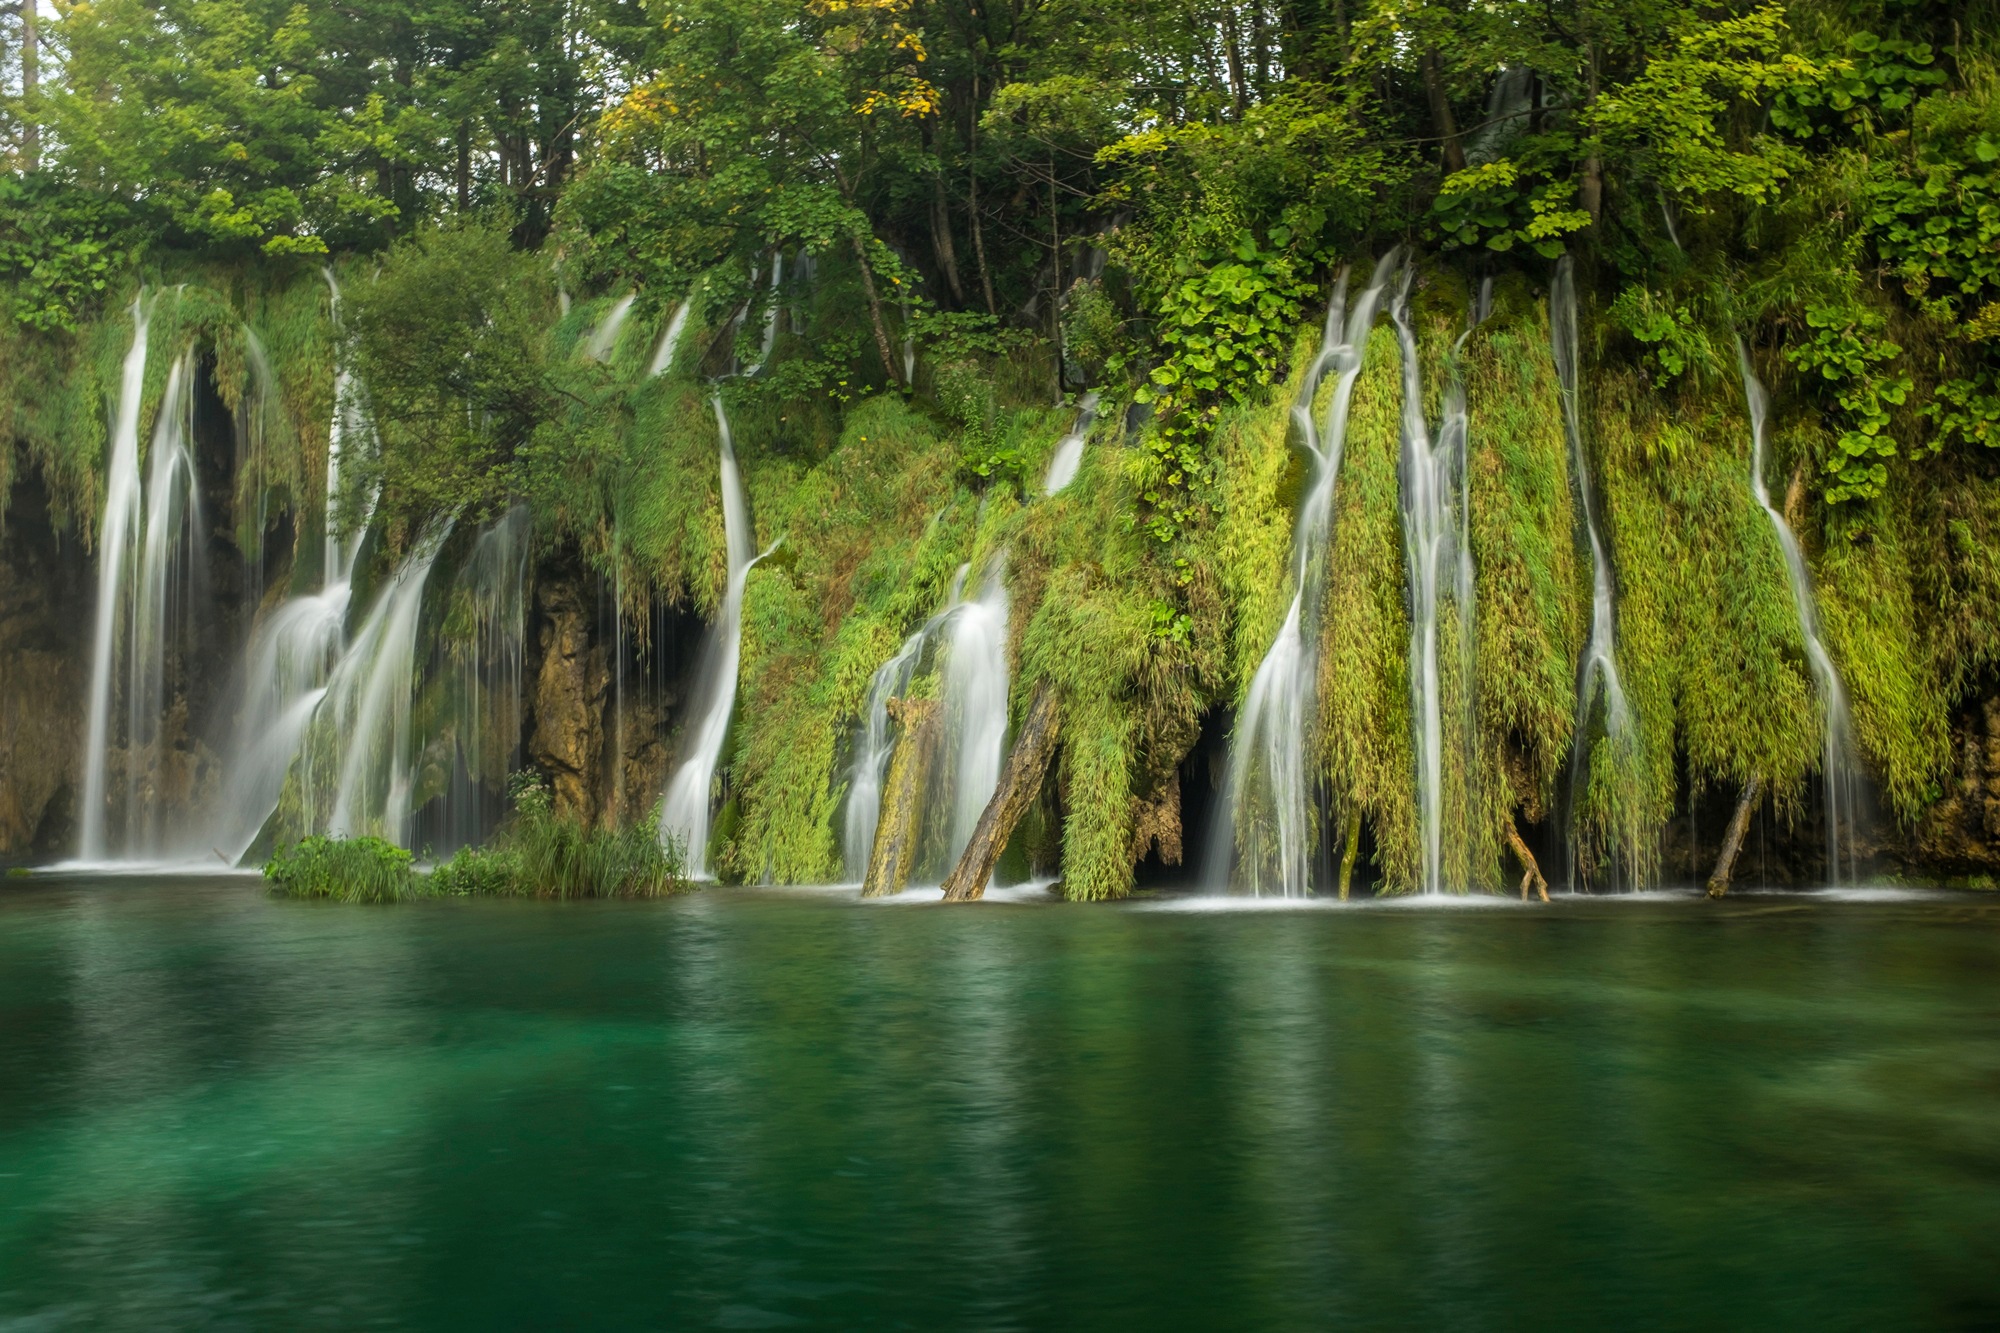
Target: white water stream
[
  {"x": 1837, "y": 767},
  {"x": 690, "y": 799},
  {"x": 1263, "y": 840},
  {"x": 1068, "y": 456},
  {"x": 877, "y": 741}
]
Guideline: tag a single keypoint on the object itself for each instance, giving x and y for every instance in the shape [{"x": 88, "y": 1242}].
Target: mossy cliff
[{"x": 871, "y": 502}]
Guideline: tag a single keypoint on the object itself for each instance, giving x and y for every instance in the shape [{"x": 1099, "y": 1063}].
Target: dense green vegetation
[{"x": 1146, "y": 199}]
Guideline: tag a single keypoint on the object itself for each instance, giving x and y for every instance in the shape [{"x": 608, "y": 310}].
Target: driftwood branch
[
  {"x": 1019, "y": 782},
  {"x": 919, "y": 723},
  {"x": 1531, "y": 870},
  {"x": 1732, "y": 839}
]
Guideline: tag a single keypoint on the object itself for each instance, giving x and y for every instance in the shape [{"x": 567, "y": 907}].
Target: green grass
[{"x": 347, "y": 870}]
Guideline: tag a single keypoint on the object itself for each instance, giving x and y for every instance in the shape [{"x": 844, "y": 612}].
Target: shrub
[{"x": 348, "y": 870}]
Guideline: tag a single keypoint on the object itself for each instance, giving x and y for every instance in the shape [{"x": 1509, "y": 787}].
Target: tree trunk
[
  {"x": 464, "y": 166},
  {"x": 941, "y": 239},
  {"x": 920, "y": 723},
  {"x": 875, "y": 311},
  {"x": 31, "y": 69},
  {"x": 1055, "y": 258},
  {"x": 1353, "y": 850},
  {"x": 1732, "y": 839},
  {"x": 1442, "y": 123},
  {"x": 972, "y": 205},
  {"x": 1019, "y": 782},
  {"x": 1591, "y": 193},
  {"x": 1531, "y": 870}
]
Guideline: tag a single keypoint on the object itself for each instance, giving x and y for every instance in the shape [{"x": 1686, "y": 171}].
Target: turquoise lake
[{"x": 787, "y": 1109}]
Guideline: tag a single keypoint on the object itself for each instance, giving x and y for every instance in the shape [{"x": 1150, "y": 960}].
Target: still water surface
[{"x": 786, "y": 1110}]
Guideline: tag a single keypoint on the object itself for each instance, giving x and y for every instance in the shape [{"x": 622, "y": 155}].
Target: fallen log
[
  {"x": 920, "y": 722},
  {"x": 1732, "y": 839},
  {"x": 1019, "y": 782}
]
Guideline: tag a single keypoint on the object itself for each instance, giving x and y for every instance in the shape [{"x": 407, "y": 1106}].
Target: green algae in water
[{"x": 775, "y": 1109}]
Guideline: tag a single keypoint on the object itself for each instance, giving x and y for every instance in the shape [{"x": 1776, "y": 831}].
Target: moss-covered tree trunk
[
  {"x": 1732, "y": 839},
  {"x": 898, "y": 831},
  {"x": 1019, "y": 782}
]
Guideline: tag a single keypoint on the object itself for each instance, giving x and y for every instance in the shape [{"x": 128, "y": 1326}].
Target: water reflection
[{"x": 746, "y": 1109}]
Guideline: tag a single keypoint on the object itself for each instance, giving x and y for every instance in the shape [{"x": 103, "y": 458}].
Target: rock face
[
  {"x": 1961, "y": 834},
  {"x": 599, "y": 770},
  {"x": 44, "y": 650},
  {"x": 567, "y": 736}
]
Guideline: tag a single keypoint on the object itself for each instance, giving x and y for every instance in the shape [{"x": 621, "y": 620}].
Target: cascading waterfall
[
  {"x": 685, "y": 810},
  {"x": 1264, "y": 832},
  {"x": 670, "y": 341},
  {"x": 361, "y": 730},
  {"x": 1436, "y": 502},
  {"x": 294, "y": 653},
  {"x": 116, "y": 548},
  {"x": 1599, "y": 676},
  {"x": 1069, "y": 450},
  {"x": 877, "y": 740},
  {"x": 150, "y": 580},
  {"x": 974, "y": 698},
  {"x": 604, "y": 338},
  {"x": 1837, "y": 740}
]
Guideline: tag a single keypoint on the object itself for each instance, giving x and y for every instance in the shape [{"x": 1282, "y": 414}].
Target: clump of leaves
[
  {"x": 1845, "y": 349},
  {"x": 1498, "y": 205},
  {"x": 1224, "y": 325}
]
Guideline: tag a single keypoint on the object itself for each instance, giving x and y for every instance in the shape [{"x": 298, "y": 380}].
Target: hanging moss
[
  {"x": 1709, "y": 633},
  {"x": 1364, "y": 683},
  {"x": 1531, "y": 614}
]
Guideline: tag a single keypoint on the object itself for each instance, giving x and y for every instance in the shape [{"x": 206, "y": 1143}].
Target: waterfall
[
  {"x": 604, "y": 338},
  {"x": 1599, "y": 673},
  {"x": 1436, "y": 503},
  {"x": 150, "y": 580},
  {"x": 115, "y": 552},
  {"x": 770, "y": 317},
  {"x": 974, "y": 696},
  {"x": 361, "y": 729},
  {"x": 877, "y": 741},
  {"x": 485, "y": 658},
  {"x": 1264, "y": 835},
  {"x": 293, "y": 654},
  {"x": 685, "y": 810},
  {"x": 1837, "y": 741},
  {"x": 670, "y": 341},
  {"x": 1069, "y": 450}
]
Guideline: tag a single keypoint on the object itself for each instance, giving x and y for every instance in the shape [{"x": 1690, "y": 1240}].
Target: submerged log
[
  {"x": 920, "y": 722},
  {"x": 1353, "y": 850},
  {"x": 1531, "y": 870},
  {"x": 1019, "y": 782},
  {"x": 1732, "y": 839}
]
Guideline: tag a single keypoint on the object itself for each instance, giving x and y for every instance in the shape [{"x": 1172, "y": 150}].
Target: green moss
[{"x": 1364, "y": 684}]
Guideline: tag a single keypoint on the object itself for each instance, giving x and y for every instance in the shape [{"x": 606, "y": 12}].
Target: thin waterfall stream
[
  {"x": 686, "y": 809},
  {"x": 1264, "y": 834},
  {"x": 1837, "y": 768},
  {"x": 1598, "y": 677},
  {"x": 1068, "y": 456},
  {"x": 1435, "y": 502},
  {"x": 877, "y": 739}
]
